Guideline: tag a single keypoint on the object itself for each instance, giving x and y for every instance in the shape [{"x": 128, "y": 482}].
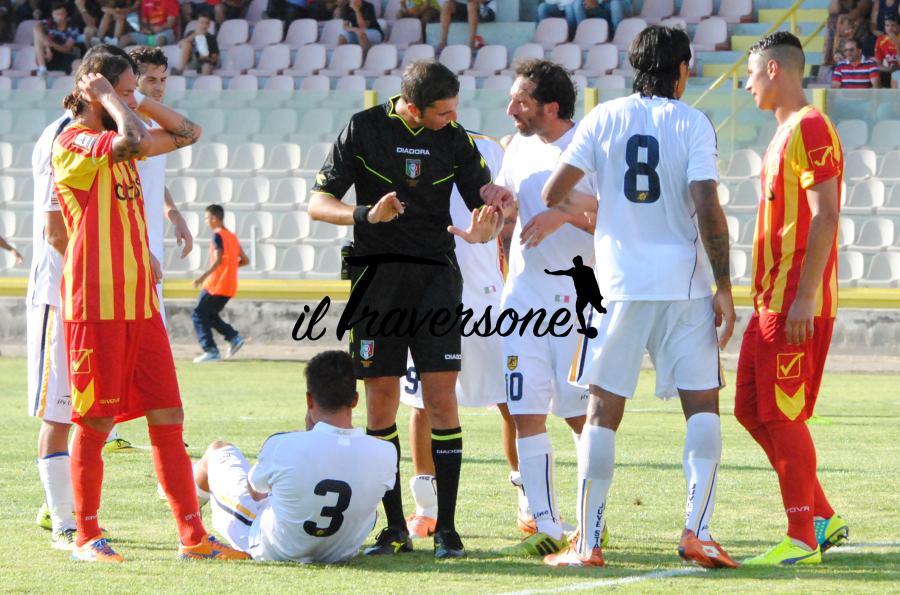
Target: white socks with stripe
[
  {"x": 57, "y": 481},
  {"x": 538, "y": 470},
  {"x": 596, "y": 459},
  {"x": 424, "y": 495},
  {"x": 702, "y": 452}
]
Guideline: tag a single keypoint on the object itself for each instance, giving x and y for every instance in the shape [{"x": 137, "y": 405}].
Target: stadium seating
[
  {"x": 591, "y": 32},
  {"x": 301, "y": 32}
]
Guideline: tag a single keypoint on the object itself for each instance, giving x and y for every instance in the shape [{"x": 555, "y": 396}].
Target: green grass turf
[{"x": 245, "y": 401}]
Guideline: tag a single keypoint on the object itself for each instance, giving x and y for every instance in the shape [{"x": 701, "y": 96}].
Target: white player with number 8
[{"x": 312, "y": 496}]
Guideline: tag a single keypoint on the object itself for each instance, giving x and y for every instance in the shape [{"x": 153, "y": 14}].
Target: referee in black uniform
[{"x": 404, "y": 157}]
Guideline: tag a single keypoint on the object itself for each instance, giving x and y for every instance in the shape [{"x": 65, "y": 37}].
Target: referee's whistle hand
[{"x": 386, "y": 209}]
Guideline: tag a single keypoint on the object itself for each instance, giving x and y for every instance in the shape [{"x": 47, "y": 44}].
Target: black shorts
[{"x": 404, "y": 295}]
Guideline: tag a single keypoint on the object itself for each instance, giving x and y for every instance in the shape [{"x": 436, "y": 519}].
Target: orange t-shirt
[{"x": 223, "y": 281}]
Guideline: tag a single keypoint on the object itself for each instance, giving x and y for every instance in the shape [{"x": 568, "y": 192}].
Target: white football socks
[
  {"x": 702, "y": 452},
  {"x": 596, "y": 459},
  {"x": 538, "y": 470},
  {"x": 425, "y": 495},
  {"x": 57, "y": 481},
  {"x": 515, "y": 478}
]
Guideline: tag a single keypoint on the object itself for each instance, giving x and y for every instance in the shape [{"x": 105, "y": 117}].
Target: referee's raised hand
[{"x": 386, "y": 209}]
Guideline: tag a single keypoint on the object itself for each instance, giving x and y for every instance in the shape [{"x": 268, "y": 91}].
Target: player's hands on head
[
  {"x": 94, "y": 86},
  {"x": 497, "y": 196},
  {"x": 540, "y": 226},
  {"x": 798, "y": 328},
  {"x": 482, "y": 227},
  {"x": 386, "y": 209},
  {"x": 723, "y": 307}
]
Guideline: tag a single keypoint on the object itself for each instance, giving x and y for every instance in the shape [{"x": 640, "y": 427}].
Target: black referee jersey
[{"x": 379, "y": 153}]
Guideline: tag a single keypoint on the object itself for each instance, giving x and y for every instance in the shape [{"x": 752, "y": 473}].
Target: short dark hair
[
  {"x": 892, "y": 18},
  {"x": 145, "y": 55},
  {"x": 330, "y": 380},
  {"x": 57, "y": 5},
  {"x": 657, "y": 54},
  {"x": 109, "y": 64},
  {"x": 427, "y": 81},
  {"x": 216, "y": 211},
  {"x": 783, "y": 47},
  {"x": 551, "y": 84}
]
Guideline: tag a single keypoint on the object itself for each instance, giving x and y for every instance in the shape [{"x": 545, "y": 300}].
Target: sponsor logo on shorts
[
  {"x": 413, "y": 168},
  {"x": 789, "y": 365},
  {"x": 367, "y": 349},
  {"x": 80, "y": 361},
  {"x": 512, "y": 362},
  {"x": 453, "y": 356}
]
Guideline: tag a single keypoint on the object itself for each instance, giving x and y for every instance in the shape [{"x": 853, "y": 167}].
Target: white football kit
[
  {"x": 650, "y": 260},
  {"x": 480, "y": 382},
  {"x": 537, "y": 368},
  {"x": 323, "y": 489},
  {"x": 48, "y": 379},
  {"x": 152, "y": 172}
]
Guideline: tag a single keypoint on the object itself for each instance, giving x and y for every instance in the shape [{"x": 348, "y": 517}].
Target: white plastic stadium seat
[
  {"x": 292, "y": 227},
  {"x": 178, "y": 161},
  {"x": 5, "y": 57},
  {"x": 281, "y": 83},
  {"x": 246, "y": 159},
  {"x": 498, "y": 82},
  {"x": 865, "y": 198},
  {"x": 567, "y": 55},
  {"x": 286, "y": 194},
  {"x": 469, "y": 117},
  {"x": 252, "y": 193},
  {"x": 237, "y": 60},
  {"x": 859, "y": 165},
  {"x": 601, "y": 60},
  {"x": 526, "y": 51},
  {"x": 262, "y": 221},
  {"x": 884, "y": 270},
  {"x": 611, "y": 81},
  {"x": 33, "y": 83},
  {"x": 381, "y": 59},
  {"x": 405, "y": 32},
  {"x": 694, "y": 11},
  {"x": 6, "y": 154},
  {"x": 627, "y": 30},
  {"x": 272, "y": 61},
  {"x": 330, "y": 33},
  {"x": 846, "y": 232},
  {"x": 853, "y": 134},
  {"x": 551, "y": 32},
  {"x": 245, "y": 83},
  {"x": 255, "y": 11},
  {"x": 885, "y": 135},
  {"x": 281, "y": 160},
  {"x": 414, "y": 53},
  {"x": 309, "y": 59},
  {"x": 656, "y": 10},
  {"x": 209, "y": 158},
  {"x": 211, "y": 120},
  {"x": 293, "y": 261},
  {"x": 745, "y": 163},
  {"x": 711, "y": 35},
  {"x": 489, "y": 60},
  {"x": 233, "y": 32},
  {"x": 317, "y": 122},
  {"x": 183, "y": 190},
  {"x": 850, "y": 268},
  {"x": 24, "y": 36},
  {"x": 328, "y": 264},
  {"x": 218, "y": 190},
  {"x": 745, "y": 196},
  {"x": 456, "y": 57},
  {"x": 267, "y": 32},
  {"x": 23, "y": 64},
  {"x": 875, "y": 235},
  {"x": 386, "y": 86},
  {"x": 591, "y": 32},
  {"x": 301, "y": 32},
  {"x": 208, "y": 83},
  {"x": 890, "y": 167},
  {"x": 739, "y": 265},
  {"x": 344, "y": 60},
  {"x": 736, "y": 11}
]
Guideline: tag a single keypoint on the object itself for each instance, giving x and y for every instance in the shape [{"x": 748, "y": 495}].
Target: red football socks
[
  {"x": 87, "y": 481},
  {"x": 795, "y": 464},
  {"x": 174, "y": 471}
]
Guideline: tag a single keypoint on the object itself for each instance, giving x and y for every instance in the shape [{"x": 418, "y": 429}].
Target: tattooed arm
[
  {"x": 131, "y": 130},
  {"x": 175, "y": 131},
  {"x": 714, "y": 232}
]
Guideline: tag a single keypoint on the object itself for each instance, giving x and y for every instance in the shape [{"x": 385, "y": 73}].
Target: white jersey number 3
[{"x": 336, "y": 512}]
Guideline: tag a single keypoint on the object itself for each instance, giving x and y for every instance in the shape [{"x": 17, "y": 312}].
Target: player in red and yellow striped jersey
[
  {"x": 120, "y": 362},
  {"x": 795, "y": 296}
]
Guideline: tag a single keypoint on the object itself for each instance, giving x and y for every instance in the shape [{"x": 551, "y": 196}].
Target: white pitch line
[
  {"x": 612, "y": 582},
  {"x": 660, "y": 574}
]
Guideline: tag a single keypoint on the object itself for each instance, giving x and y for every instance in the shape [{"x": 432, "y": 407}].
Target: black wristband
[{"x": 361, "y": 214}]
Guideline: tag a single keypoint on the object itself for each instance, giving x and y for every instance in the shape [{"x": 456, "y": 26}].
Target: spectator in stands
[
  {"x": 887, "y": 49},
  {"x": 575, "y": 11},
  {"x": 55, "y": 41},
  {"x": 7, "y": 21},
  {"x": 87, "y": 17},
  {"x": 291, "y": 10},
  {"x": 426, "y": 11},
  {"x": 855, "y": 71},
  {"x": 199, "y": 49},
  {"x": 158, "y": 21},
  {"x": 473, "y": 11},
  {"x": 360, "y": 23},
  {"x": 856, "y": 11},
  {"x": 882, "y": 10},
  {"x": 113, "y": 23}
]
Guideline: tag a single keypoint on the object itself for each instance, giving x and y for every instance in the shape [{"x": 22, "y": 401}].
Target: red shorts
[
  {"x": 777, "y": 381},
  {"x": 120, "y": 369}
]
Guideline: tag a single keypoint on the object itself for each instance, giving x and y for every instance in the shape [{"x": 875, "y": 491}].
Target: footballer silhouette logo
[{"x": 587, "y": 292}]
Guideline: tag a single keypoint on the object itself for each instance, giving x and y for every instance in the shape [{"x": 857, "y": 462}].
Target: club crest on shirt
[
  {"x": 85, "y": 141},
  {"x": 413, "y": 168},
  {"x": 367, "y": 349},
  {"x": 821, "y": 157},
  {"x": 512, "y": 362}
]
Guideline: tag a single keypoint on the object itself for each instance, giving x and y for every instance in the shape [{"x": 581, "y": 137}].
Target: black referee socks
[
  {"x": 446, "y": 448},
  {"x": 393, "y": 498}
]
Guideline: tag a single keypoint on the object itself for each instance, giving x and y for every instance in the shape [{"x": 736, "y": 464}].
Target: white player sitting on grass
[{"x": 312, "y": 496}]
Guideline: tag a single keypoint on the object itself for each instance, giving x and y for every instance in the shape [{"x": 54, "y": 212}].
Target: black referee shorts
[{"x": 398, "y": 292}]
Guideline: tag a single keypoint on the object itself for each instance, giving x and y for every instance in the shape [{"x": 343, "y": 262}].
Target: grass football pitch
[{"x": 246, "y": 401}]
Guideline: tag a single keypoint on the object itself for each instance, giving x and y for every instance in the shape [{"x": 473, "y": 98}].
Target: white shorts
[
  {"x": 537, "y": 370},
  {"x": 680, "y": 337},
  {"x": 48, "y": 378},
  {"x": 480, "y": 382},
  {"x": 233, "y": 510}
]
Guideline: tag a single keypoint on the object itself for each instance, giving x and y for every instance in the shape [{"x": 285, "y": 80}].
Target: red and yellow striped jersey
[
  {"x": 106, "y": 273},
  {"x": 804, "y": 152}
]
